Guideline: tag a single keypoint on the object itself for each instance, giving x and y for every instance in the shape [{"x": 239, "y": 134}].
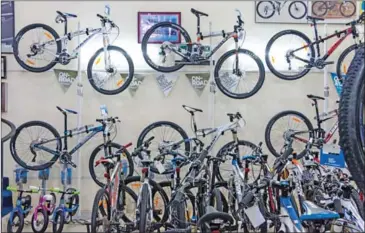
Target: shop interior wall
[{"x": 33, "y": 96}]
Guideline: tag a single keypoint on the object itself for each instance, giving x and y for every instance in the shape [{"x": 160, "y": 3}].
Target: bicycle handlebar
[
  {"x": 143, "y": 147},
  {"x": 58, "y": 190},
  {"x": 109, "y": 119},
  {"x": 14, "y": 189},
  {"x": 105, "y": 20}
]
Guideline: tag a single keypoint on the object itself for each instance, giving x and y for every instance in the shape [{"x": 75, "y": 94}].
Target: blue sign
[
  {"x": 337, "y": 83},
  {"x": 332, "y": 159}
]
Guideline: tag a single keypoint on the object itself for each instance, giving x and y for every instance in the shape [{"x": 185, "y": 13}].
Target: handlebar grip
[
  {"x": 12, "y": 188},
  {"x": 100, "y": 16},
  {"x": 127, "y": 145},
  {"x": 56, "y": 190}
]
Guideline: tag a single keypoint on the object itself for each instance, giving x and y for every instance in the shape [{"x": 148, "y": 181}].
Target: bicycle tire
[
  {"x": 342, "y": 57},
  {"x": 155, "y": 187},
  {"x": 58, "y": 217},
  {"x": 98, "y": 197},
  {"x": 178, "y": 213},
  {"x": 261, "y": 15},
  {"x": 45, "y": 223},
  {"x": 268, "y": 60},
  {"x": 73, "y": 201},
  {"x": 143, "y": 208},
  {"x": 16, "y": 156},
  {"x": 215, "y": 215},
  {"x": 133, "y": 195},
  {"x": 179, "y": 129},
  {"x": 127, "y": 81},
  {"x": 53, "y": 203},
  {"x": 315, "y": 13},
  {"x": 291, "y": 13},
  {"x": 21, "y": 222},
  {"x": 92, "y": 161},
  {"x": 271, "y": 123},
  {"x": 342, "y": 11},
  {"x": 16, "y": 49},
  {"x": 359, "y": 204},
  {"x": 349, "y": 118},
  {"x": 221, "y": 153},
  {"x": 144, "y": 43},
  {"x": 259, "y": 83}
]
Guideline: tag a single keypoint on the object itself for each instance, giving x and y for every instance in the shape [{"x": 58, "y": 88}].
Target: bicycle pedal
[{"x": 329, "y": 63}]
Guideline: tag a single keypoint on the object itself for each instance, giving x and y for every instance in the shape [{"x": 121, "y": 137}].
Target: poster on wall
[
  {"x": 4, "y": 97},
  {"x": 7, "y": 26},
  {"x": 337, "y": 83},
  {"x": 135, "y": 84},
  {"x": 361, "y": 7},
  {"x": 281, "y": 11},
  {"x": 198, "y": 81},
  {"x": 147, "y": 19},
  {"x": 65, "y": 78},
  {"x": 166, "y": 82},
  {"x": 335, "y": 11},
  {"x": 3, "y": 67}
]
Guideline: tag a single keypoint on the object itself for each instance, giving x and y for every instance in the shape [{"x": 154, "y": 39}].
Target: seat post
[
  {"x": 317, "y": 114},
  {"x": 65, "y": 25},
  {"x": 65, "y": 131},
  {"x": 316, "y": 37},
  {"x": 198, "y": 25}
]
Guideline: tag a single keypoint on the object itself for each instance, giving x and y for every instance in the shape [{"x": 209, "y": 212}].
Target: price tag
[
  {"x": 241, "y": 122},
  {"x": 107, "y": 10},
  {"x": 255, "y": 216},
  {"x": 159, "y": 167}
]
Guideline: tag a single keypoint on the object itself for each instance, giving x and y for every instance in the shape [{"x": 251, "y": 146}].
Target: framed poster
[
  {"x": 281, "y": 11},
  {"x": 7, "y": 26},
  {"x": 147, "y": 19},
  {"x": 335, "y": 11},
  {"x": 4, "y": 97},
  {"x": 3, "y": 67}
]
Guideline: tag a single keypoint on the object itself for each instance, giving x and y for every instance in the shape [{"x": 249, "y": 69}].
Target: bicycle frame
[
  {"x": 62, "y": 207},
  {"x": 41, "y": 206},
  {"x": 19, "y": 208}
]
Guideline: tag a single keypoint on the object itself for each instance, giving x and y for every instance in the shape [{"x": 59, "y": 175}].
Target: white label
[
  {"x": 255, "y": 216},
  {"x": 159, "y": 167},
  {"x": 331, "y": 149},
  {"x": 241, "y": 122}
]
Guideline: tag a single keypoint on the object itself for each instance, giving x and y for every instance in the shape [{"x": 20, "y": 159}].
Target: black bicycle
[
  {"x": 302, "y": 54},
  {"x": 321, "y": 8},
  {"x": 46, "y": 48},
  {"x": 267, "y": 9},
  {"x": 175, "y": 49}
]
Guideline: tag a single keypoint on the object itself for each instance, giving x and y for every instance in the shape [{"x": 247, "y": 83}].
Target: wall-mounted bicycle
[
  {"x": 267, "y": 9},
  {"x": 43, "y": 50},
  {"x": 321, "y": 8},
  {"x": 234, "y": 68}
]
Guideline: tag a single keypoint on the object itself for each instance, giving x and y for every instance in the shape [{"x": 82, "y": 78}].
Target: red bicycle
[{"x": 302, "y": 54}]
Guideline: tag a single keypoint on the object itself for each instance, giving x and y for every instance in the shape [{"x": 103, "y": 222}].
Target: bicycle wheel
[
  {"x": 114, "y": 79},
  {"x": 297, "y": 9},
  {"x": 244, "y": 66},
  {"x": 58, "y": 221},
  {"x": 45, "y": 41},
  {"x": 223, "y": 170},
  {"x": 351, "y": 118},
  {"x": 265, "y": 9},
  {"x": 72, "y": 203},
  {"x": 347, "y": 8},
  {"x": 130, "y": 203},
  {"x": 143, "y": 216},
  {"x": 279, "y": 60},
  {"x": 319, "y": 8},
  {"x": 345, "y": 59},
  {"x": 97, "y": 173},
  {"x": 284, "y": 124},
  {"x": 34, "y": 158},
  {"x": 101, "y": 211},
  {"x": 165, "y": 132},
  {"x": 40, "y": 225},
  {"x": 355, "y": 199},
  {"x": 161, "y": 45},
  {"x": 15, "y": 222}
]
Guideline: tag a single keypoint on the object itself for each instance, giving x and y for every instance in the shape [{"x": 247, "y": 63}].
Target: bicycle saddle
[
  {"x": 315, "y": 213},
  {"x": 314, "y": 97},
  {"x": 191, "y": 109},
  {"x": 198, "y": 13},
  {"x": 311, "y": 18},
  {"x": 65, "y": 110},
  {"x": 66, "y": 15}
]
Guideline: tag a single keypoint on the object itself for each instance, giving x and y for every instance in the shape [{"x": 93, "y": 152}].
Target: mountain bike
[
  {"x": 267, "y": 9},
  {"x": 351, "y": 118},
  {"x": 233, "y": 67},
  {"x": 302, "y": 54},
  {"x": 44, "y": 147},
  {"x": 321, "y": 8},
  {"x": 48, "y": 48},
  {"x": 110, "y": 202},
  {"x": 295, "y": 125}
]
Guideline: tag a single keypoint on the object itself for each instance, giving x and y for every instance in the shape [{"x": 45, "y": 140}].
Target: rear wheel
[
  {"x": 101, "y": 212},
  {"x": 297, "y": 9},
  {"x": 33, "y": 133},
  {"x": 58, "y": 221},
  {"x": 239, "y": 74},
  {"x": 40, "y": 225},
  {"x": 347, "y": 8},
  {"x": 345, "y": 59},
  {"x": 265, "y": 9},
  {"x": 16, "y": 223},
  {"x": 160, "y": 44}
]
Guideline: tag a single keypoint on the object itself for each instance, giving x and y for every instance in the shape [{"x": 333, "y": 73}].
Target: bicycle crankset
[
  {"x": 320, "y": 63},
  {"x": 65, "y": 158}
]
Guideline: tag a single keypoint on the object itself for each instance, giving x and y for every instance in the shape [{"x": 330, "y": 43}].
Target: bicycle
[
  {"x": 300, "y": 129},
  {"x": 110, "y": 201},
  {"x": 67, "y": 208},
  {"x": 321, "y": 8},
  {"x": 105, "y": 80},
  {"x": 194, "y": 53},
  {"x": 301, "y": 57},
  {"x": 267, "y": 9},
  {"x": 351, "y": 120},
  {"x": 53, "y": 144},
  {"x": 21, "y": 210}
]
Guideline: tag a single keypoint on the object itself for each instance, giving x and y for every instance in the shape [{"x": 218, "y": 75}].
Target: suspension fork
[{"x": 106, "y": 52}]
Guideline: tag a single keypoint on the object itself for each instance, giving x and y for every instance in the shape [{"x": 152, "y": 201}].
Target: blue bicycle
[{"x": 44, "y": 145}]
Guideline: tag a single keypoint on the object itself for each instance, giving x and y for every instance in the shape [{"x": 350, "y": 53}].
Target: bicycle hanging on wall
[
  {"x": 267, "y": 9},
  {"x": 233, "y": 67},
  {"x": 48, "y": 49}
]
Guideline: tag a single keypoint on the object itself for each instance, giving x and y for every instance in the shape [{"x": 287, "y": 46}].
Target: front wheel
[
  {"x": 265, "y": 9},
  {"x": 15, "y": 222},
  {"x": 110, "y": 72},
  {"x": 58, "y": 221},
  {"x": 144, "y": 208},
  {"x": 345, "y": 59},
  {"x": 101, "y": 211},
  {"x": 347, "y": 9},
  {"x": 297, "y": 9},
  {"x": 319, "y": 8},
  {"x": 40, "y": 225},
  {"x": 239, "y": 74}
]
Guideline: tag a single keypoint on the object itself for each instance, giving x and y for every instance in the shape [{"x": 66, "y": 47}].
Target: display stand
[
  {"x": 325, "y": 82},
  {"x": 43, "y": 175},
  {"x": 212, "y": 87}
]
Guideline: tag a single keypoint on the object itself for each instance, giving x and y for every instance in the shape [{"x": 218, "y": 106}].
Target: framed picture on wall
[
  {"x": 147, "y": 19},
  {"x": 3, "y": 67},
  {"x": 4, "y": 97},
  {"x": 281, "y": 11},
  {"x": 336, "y": 11},
  {"x": 7, "y": 26}
]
